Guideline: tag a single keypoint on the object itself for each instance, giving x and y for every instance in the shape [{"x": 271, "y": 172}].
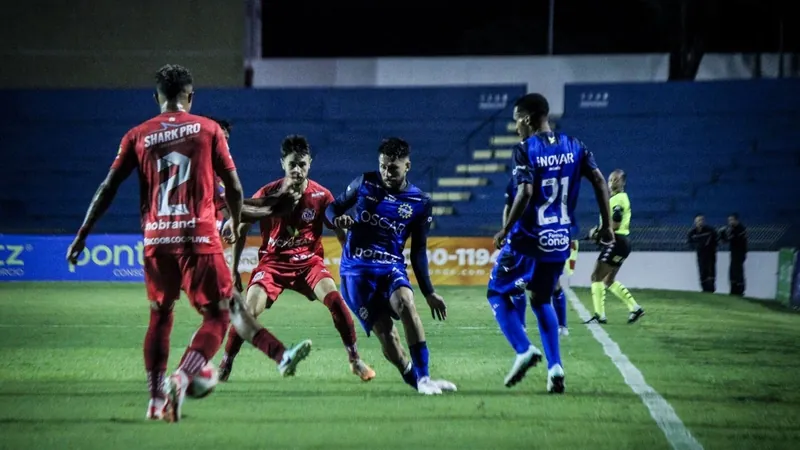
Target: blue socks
[
  {"x": 410, "y": 375},
  {"x": 419, "y": 356},
  {"x": 508, "y": 318},
  {"x": 548, "y": 329},
  {"x": 560, "y": 305}
]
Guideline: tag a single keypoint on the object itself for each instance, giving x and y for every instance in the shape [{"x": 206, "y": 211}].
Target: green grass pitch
[{"x": 71, "y": 377}]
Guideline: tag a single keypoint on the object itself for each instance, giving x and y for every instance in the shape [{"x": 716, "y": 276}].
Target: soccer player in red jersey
[
  {"x": 291, "y": 254},
  {"x": 176, "y": 155}
]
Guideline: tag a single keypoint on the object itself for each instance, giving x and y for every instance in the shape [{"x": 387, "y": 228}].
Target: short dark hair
[
  {"x": 533, "y": 104},
  {"x": 295, "y": 144},
  {"x": 172, "y": 80},
  {"x": 224, "y": 124},
  {"x": 394, "y": 148}
]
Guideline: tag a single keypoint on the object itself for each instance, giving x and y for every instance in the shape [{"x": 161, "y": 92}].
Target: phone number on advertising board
[{"x": 459, "y": 256}]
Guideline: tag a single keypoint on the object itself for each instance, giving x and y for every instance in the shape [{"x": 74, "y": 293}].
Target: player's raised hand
[
  {"x": 605, "y": 236},
  {"x": 75, "y": 249},
  {"x": 343, "y": 221},
  {"x": 438, "y": 307}
]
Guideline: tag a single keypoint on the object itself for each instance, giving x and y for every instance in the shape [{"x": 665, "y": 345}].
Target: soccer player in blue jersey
[
  {"x": 519, "y": 299},
  {"x": 535, "y": 239},
  {"x": 386, "y": 211}
]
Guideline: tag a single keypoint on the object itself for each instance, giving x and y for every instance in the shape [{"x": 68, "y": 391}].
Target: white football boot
[
  {"x": 175, "y": 391},
  {"x": 426, "y": 386},
  {"x": 155, "y": 409},
  {"x": 522, "y": 363},
  {"x": 555, "y": 380}
]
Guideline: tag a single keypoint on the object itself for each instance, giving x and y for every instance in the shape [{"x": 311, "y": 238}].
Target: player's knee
[
  {"x": 257, "y": 300},
  {"x": 164, "y": 307},
  {"x": 324, "y": 287},
  {"x": 403, "y": 302}
]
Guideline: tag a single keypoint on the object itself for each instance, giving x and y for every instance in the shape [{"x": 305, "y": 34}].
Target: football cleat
[
  {"x": 292, "y": 357},
  {"x": 175, "y": 390},
  {"x": 635, "y": 315},
  {"x": 426, "y": 386},
  {"x": 522, "y": 363},
  {"x": 362, "y": 370},
  {"x": 563, "y": 331},
  {"x": 555, "y": 380},
  {"x": 445, "y": 386},
  {"x": 597, "y": 319},
  {"x": 155, "y": 409}
]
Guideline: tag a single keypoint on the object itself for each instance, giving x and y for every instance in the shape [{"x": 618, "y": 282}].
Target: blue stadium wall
[
  {"x": 57, "y": 145},
  {"x": 697, "y": 147}
]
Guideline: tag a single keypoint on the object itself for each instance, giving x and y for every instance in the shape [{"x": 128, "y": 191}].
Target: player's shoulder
[
  {"x": 418, "y": 194},
  {"x": 371, "y": 178},
  {"x": 272, "y": 185},
  {"x": 317, "y": 190}
]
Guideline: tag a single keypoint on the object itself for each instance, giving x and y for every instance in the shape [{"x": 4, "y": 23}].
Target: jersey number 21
[{"x": 556, "y": 187}]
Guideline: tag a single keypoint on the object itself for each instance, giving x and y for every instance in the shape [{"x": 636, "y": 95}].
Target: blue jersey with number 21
[{"x": 554, "y": 164}]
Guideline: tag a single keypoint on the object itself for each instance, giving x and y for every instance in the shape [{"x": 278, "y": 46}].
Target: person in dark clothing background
[
  {"x": 704, "y": 240},
  {"x": 735, "y": 235}
]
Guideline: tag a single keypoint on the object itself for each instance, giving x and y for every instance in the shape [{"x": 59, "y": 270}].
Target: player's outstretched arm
[
  {"x": 122, "y": 167},
  {"x": 523, "y": 180},
  {"x": 238, "y": 248},
  {"x": 419, "y": 262},
  {"x": 335, "y": 212},
  {"x": 233, "y": 197}
]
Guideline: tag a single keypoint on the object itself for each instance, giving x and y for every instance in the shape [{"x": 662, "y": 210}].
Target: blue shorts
[
  {"x": 515, "y": 273},
  {"x": 367, "y": 294}
]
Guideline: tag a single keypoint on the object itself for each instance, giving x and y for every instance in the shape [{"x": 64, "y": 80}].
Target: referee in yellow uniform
[{"x": 613, "y": 256}]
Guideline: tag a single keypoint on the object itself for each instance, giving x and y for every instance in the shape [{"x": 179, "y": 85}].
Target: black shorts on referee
[{"x": 616, "y": 253}]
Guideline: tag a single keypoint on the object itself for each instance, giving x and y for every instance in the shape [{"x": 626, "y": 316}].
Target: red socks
[
  {"x": 206, "y": 341},
  {"x": 156, "y": 349},
  {"x": 343, "y": 322},
  {"x": 269, "y": 345},
  {"x": 232, "y": 347}
]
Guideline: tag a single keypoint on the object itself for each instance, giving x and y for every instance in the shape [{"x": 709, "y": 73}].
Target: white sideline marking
[{"x": 661, "y": 411}]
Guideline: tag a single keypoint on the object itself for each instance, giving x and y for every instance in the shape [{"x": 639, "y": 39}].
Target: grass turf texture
[{"x": 72, "y": 377}]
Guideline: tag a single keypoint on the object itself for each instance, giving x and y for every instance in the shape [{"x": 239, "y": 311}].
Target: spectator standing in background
[
  {"x": 735, "y": 235},
  {"x": 704, "y": 240}
]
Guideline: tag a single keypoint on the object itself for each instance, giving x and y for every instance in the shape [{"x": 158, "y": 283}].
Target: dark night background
[{"x": 360, "y": 28}]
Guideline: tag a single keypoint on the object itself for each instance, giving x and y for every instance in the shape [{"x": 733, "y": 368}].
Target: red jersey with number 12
[
  {"x": 295, "y": 238},
  {"x": 176, "y": 155}
]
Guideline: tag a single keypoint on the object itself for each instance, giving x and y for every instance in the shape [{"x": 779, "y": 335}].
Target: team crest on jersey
[
  {"x": 308, "y": 214},
  {"x": 405, "y": 210}
]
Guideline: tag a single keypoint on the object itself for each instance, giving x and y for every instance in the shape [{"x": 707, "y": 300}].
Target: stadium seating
[
  {"x": 687, "y": 148},
  {"x": 57, "y": 145}
]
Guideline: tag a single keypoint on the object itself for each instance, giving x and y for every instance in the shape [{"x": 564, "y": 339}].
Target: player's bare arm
[
  {"x": 102, "y": 199},
  {"x": 336, "y": 212},
  {"x": 419, "y": 263},
  {"x": 521, "y": 200},
  {"x": 233, "y": 197},
  {"x": 238, "y": 248}
]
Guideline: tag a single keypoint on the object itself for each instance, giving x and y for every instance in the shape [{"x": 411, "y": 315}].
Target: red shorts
[
  {"x": 274, "y": 277},
  {"x": 206, "y": 279}
]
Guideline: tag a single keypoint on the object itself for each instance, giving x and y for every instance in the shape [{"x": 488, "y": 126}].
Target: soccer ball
[{"x": 204, "y": 382}]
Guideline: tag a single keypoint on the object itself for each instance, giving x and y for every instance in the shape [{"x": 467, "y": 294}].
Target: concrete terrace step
[
  {"x": 480, "y": 168},
  {"x": 504, "y": 140},
  {"x": 500, "y": 153},
  {"x": 451, "y": 196},
  {"x": 462, "y": 181}
]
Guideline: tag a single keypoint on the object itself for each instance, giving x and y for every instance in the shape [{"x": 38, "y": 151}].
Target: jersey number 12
[
  {"x": 165, "y": 163},
  {"x": 555, "y": 188}
]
